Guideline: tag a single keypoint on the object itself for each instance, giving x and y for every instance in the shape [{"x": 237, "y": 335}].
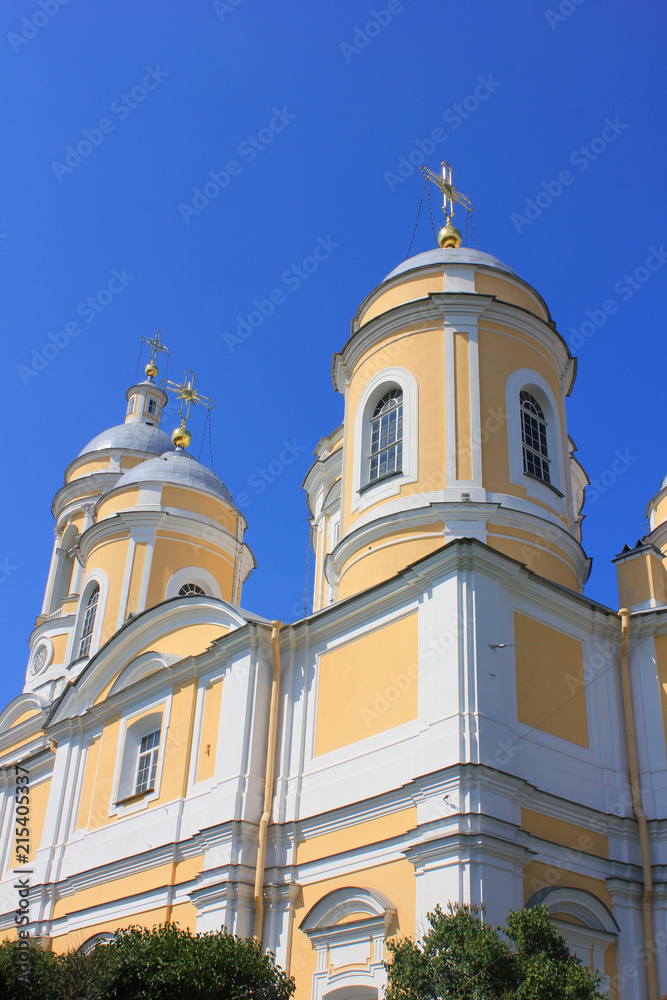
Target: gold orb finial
[
  {"x": 151, "y": 369},
  {"x": 181, "y": 436},
  {"x": 449, "y": 236}
]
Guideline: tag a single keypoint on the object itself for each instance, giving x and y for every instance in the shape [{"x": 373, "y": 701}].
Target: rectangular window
[
  {"x": 152, "y": 406},
  {"x": 147, "y": 763}
]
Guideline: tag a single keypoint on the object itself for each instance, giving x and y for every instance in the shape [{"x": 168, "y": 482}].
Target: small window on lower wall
[{"x": 141, "y": 756}]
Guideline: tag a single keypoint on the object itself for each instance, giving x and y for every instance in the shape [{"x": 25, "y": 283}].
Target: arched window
[
  {"x": 386, "y": 453},
  {"x": 191, "y": 590},
  {"x": 534, "y": 438},
  {"x": 89, "y": 622}
]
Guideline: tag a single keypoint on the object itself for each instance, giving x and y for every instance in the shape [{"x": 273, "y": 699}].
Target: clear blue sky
[{"x": 305, "y": 115}]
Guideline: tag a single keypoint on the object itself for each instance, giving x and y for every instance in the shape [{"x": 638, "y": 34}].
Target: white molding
[
  {"x": 381, "y": 382},
  {"x": 161, "y": 705}
]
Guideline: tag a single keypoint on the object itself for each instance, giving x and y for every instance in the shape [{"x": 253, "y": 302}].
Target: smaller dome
[
  {"x": 451, "y": 255},
  {"x": 131, "y": 437},
  {"x": 177, "y": 468}
]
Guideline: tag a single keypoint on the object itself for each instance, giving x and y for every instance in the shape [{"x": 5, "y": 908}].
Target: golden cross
[
  {"x": 156, "y": 346},
  {"x": 449, "y": 192},
  {"x": 188, "y": 395}
]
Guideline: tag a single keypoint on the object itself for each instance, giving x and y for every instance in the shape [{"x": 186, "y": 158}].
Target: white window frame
[
  {"x": 98, "y": 577},
  {"x": 131, "y": 405},
  {"x": 537, "y": 489},
  {"x": 193, "y": 574},
  {"x": 364, "y": 492},
  {"x": 136, "y": 723},
  {"x": 148, "y": 412}
]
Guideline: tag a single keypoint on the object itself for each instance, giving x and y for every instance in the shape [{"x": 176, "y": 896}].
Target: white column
[{"x": 48, "y": 593}]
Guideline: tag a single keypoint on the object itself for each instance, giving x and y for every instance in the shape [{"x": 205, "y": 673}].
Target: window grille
[
  {"x": 89, "y": 622},
  {"x": 147, "y": 763},
  {"x": 152, "y": 407},
  {"x": 387, "y": 436},
  {"x": 191, "y": 590},
  {"x": 534, "y": 438}
]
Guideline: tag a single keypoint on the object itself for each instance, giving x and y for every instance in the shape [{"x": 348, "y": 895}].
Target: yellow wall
[
  {"x": 395, "y": 880},
  {"x": 89, "y": 776},
  {"x": 549, "y": 680},
  {"x": 368, "y": 685},
  {"x": 59, "y": 646},
  {"x": 39, "y": 797},
  {"x": 661, "y": 657},
  {"x": 489, "y": 284},
  {"x": 173, "y": 552},
  {"x": 463, "y": 406},
  {"x": 208, "y": 744},
  {"x": 25, "y": 716},
  {"x": 501, "y": 352},
  {"x": 357, "y": 835},
  {"x": 529, "y": 548},
  {"x": 138, "y": 562},
  {"x": 387, "y": 557},
  {"x": 110, "y": 557},
  {"x": 421, "y": 352},
  {"x": 197, "y": 503},
  {"x": 567, "y": 834},
  {"x": 406, "y": 291},
  {"x": 120, "y": 501},
  {"x": 92, "y": 465}
]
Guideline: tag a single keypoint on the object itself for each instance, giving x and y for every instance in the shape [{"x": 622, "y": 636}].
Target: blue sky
[{"x": 305, "y": 113}]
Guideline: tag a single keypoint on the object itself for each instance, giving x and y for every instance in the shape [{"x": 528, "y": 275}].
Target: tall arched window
[
  {"x": 534, "y": 438},
  {"x": 386, "y": 455},
  {"x": 89, "y": 622}
]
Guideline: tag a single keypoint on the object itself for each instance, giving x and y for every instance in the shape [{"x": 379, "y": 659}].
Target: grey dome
[
  {"x": 452, "y": 255},
  {"x": 177, "y": 468},
  {"x": 131, "y": 437}
]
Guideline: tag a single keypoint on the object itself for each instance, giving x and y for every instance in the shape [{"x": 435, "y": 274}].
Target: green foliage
[
  {"x": 461, "y": 956},
  {"x": 38, "y": 982},
  {"x": 165, "y": 963}
]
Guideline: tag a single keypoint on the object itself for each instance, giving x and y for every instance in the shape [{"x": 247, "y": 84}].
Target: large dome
[
  {"x": 131, "y": 437},
  {"x": 178, "y": 468}
]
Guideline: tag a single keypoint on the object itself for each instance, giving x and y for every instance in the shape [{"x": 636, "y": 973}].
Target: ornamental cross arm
[
  {"x": 188, "y": 395},
  {"x": 449, "y": 192},
  {"x": 155, "y": 345}
]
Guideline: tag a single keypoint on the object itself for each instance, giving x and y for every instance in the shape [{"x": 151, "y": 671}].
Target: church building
[{"x": 453, "y": 721}]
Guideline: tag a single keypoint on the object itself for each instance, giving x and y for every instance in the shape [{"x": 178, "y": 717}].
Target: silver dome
[
  {"x": 131, "y": 437},
  {"x": 178, "y": 468},
  {"x": 453, "y": 255}
]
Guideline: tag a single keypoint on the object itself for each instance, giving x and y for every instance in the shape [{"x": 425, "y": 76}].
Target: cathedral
[{"x": 454, "y": 720}]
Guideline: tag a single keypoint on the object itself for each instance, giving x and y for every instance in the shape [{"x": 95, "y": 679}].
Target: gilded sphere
[
  {"x": 151, "y": 369},
  {"x": 181, "y": 437},
  {"x": 449, "y": 236}
]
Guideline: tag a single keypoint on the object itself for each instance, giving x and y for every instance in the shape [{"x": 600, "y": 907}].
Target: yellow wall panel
[
  {"x": 488, "y": 284},
  {"x": 138, "y": 561},
  {"x": 368, "y": 685},
  {"x": 172, "y": 553},
  {"x": 121, "y": 501},
  {"x": 568, "y": 834},
  {"x": 192, "y": 500},
  {"x": 549, "y": 689},
  {"x": 90, "y": 773},
  {"x": 209, "y": 731},
  {"x": 357, "y": 835},
  {"x": 406, "y": 291},
  {"x": 463, "y": 410}
]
